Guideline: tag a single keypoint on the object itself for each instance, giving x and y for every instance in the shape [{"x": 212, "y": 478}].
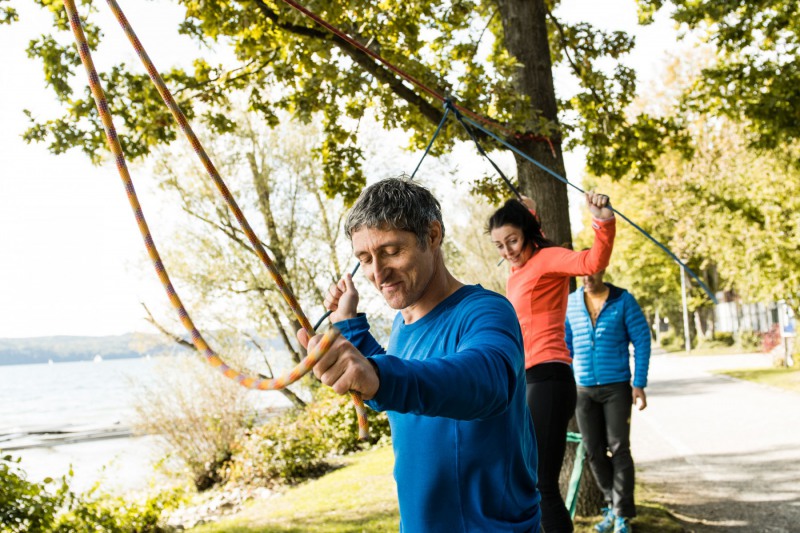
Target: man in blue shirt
[
  {"x": 451, "y": 377},
  {"x": 602, "y": 321}
]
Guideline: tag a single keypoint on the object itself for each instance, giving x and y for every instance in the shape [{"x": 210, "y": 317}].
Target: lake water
[{"x": 79, "y": 414}]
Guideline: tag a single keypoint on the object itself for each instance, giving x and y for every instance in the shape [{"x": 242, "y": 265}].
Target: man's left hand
[{"x": 639, "y": 398}]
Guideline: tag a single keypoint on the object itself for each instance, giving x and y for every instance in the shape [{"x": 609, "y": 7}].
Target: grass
[
  {"x": 784, "y": 378},
  {"x": 361, "y": 497},
  {"x": 651, "y": 518}
]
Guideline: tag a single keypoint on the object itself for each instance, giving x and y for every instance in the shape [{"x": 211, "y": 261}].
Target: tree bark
[
  {"x": 590, "y": 498},
  {"x": 526, "y": 38}
]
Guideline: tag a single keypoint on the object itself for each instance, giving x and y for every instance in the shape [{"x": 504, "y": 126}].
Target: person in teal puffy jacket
[{"x": 602, "y": 322}]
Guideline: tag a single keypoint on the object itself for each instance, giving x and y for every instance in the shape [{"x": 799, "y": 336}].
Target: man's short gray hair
[{"x": 395, "y": 203}]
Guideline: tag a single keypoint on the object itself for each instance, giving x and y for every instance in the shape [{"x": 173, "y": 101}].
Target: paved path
[{"x": 724, "y": 453}]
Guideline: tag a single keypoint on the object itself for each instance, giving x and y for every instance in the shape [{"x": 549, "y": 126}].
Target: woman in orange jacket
[{"x": 538, "y": 286}]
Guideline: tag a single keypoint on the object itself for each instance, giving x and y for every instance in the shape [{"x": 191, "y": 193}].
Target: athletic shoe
[
  {"x": 622, "y": 525},
  {"x": 607, "y": 524}
]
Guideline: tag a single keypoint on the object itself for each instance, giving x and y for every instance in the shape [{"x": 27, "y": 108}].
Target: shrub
[
  {"x": 26, "y": 506},
  {"x": 667, "y": 339},
  {"x": 749, "y": 340},
  {"x": 199, "y": 414},
  {"x": 771, "y": 339},
  {"x": 298, "y": 444},
  {"x": 51, "y": 507},
  {"x": 720, "y": 338}
]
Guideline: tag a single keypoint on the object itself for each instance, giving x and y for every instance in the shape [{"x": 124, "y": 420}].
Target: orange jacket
[{"x": 538, "y": 291}]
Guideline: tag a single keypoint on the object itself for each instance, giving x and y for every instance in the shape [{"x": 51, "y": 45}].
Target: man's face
[
  {"x": 395, "y": 264},
  {"x": 594, "y": 283}
]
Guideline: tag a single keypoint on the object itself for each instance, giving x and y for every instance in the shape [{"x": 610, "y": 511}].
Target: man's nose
[{"x": 378, "y": 271}]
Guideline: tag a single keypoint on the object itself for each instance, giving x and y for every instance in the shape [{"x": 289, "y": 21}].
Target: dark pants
[
  {"x": 604, "y": 418},
  {"x": 551, "y": 399}
]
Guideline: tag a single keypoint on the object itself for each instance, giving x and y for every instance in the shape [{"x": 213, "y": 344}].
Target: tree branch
[{"x": 380, "y": 73}]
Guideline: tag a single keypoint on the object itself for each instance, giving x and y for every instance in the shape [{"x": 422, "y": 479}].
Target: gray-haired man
[{"x": 451, "y": 377}]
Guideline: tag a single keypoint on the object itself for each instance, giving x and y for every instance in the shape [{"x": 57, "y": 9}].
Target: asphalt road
[{"x": 724, "y": 454}]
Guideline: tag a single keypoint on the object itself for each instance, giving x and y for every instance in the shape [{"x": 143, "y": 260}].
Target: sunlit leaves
[{"x": 757, "y": 74}]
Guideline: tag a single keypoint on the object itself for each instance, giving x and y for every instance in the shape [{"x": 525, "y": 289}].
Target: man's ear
[{"x": 435, "y": 235}]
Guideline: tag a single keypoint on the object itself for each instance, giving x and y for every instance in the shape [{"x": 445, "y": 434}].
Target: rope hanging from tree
[{"x": 113, "y": 142}]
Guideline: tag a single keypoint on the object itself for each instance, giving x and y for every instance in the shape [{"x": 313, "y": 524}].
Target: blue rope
[
  {"x": 484, "y": 154},
  {"x": 447, "y": 106},
  {"x": 567, "y": 182}
]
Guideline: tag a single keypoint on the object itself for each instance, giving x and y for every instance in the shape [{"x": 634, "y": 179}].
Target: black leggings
[{"x": 551, "y": 397}]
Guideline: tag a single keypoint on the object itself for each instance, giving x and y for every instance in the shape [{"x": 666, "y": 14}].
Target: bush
[
  {"x": 26, "y": 506},
  {"x": 50, "y": 507},
  {"x": 298, "y": 444},
  {"x": 749, "y": 340},
  {"x": 199, "y": 414},
  {"x": 771, "y": 339},
  {"x": 667, "y": 339},
  {"x": 720, "y": 339}
]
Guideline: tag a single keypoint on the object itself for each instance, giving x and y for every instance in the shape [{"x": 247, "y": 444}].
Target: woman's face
[{"x": 509, "y": 241}]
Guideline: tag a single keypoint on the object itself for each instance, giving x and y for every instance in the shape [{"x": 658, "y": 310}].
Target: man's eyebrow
[{"x": 389, "y": 244}]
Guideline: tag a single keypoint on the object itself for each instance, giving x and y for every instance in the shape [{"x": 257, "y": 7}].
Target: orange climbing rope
[{"x": 113, "y": 142}]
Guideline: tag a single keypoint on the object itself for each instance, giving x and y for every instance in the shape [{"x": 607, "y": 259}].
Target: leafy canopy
[
  {"x": 284, "y": 62},
  {"x": 756, "y": 78}
]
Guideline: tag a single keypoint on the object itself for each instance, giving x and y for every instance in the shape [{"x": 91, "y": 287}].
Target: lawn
[
  {"x": 785, "y": 378},
  {"x": 361, "y": 497},
  {"x": 358, "y": 497}
]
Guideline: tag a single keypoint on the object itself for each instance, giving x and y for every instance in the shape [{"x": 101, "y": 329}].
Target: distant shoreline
[
  {"x": 64, "y": 348},
  {"x": 34, "y": 360}
]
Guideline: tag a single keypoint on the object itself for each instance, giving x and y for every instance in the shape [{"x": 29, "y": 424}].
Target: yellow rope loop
[{"x": 113, "y": 143}]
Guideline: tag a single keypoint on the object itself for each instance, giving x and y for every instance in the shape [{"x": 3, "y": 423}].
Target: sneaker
[
  {"x": 622, "y": 525},
  {"x": 607, "y": 524}
]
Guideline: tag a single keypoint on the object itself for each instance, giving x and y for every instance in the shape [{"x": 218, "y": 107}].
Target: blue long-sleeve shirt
[
  {"x": 453, "y": 384},
  {"x": 600, "y": 352}
]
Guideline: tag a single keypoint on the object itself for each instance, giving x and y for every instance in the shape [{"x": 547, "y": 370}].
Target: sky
[{"x": 71, "y": 257}]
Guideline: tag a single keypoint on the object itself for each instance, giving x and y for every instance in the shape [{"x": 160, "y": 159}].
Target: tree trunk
[
  {"x": 590, "y": 499},
  {"x": 526, "y": 38},
  {"x": 525, "y": 30}
]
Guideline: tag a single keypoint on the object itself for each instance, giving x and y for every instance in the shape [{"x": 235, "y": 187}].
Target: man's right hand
[{"x": 342, "y": 300}]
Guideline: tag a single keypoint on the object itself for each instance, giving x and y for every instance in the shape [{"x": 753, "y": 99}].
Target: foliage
[
  {"x": 278, "y": 185},
  {"x": 300, "y": 443},
  {"x": 749, "y": 340},
  {"x": 116, "y": 514},
  {"x": 197, "y": 413},
  {"x": 720, "y": 338},
  {"x": 51, "y": 507},
  {"x": 283, "y": 61},
  {"x": 756, "y": 78},
  {"x": 24, "y": 505},
  {"x": 771, "y": 338},
  {"x": 725, "y": 212},
  {"x": 470, "y": 254}
]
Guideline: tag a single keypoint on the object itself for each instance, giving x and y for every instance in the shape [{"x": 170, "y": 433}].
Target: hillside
[{"x": 69, "y": 348}]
